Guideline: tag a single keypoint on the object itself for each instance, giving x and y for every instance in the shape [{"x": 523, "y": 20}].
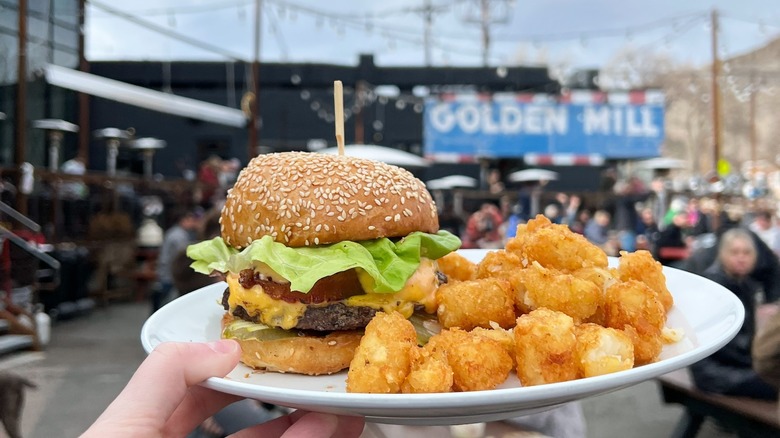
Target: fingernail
[{"x": 223, "y": 346}]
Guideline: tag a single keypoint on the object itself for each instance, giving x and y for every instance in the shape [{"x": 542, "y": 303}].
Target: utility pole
[
  {"x": 489, "y": 12},
  {"x": 427, "y": 12},
  {"x": 254, "y": 137},
  {"x": 716, "y": 137},
  {"x": 484, "y": 11},
  {"x": 753, "y": 133}
]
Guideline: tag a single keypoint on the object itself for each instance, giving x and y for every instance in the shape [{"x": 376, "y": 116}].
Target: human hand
[{"x": 164, "y": 398}]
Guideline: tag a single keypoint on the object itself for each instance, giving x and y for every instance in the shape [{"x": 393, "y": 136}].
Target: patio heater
[
  {"x": 148, "y": 146},
  {"x": 113, "y": 138},
  {"x": 56, "y": 130}
]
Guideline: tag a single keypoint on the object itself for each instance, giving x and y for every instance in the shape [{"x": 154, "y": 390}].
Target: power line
[
  {"x": 189, "y": 9},
  {"x": 167, "y": 32},
  {"x": 600, "y": 33}
]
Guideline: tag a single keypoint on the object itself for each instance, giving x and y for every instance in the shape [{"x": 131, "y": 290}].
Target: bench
[{"x": 745, "y": 416}]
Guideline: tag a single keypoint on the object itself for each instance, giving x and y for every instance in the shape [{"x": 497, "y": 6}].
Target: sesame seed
[{"x": 371, "y": 227}]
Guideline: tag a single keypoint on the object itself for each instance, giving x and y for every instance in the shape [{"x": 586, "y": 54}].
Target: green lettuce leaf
[{"x": 388, "y": 263}]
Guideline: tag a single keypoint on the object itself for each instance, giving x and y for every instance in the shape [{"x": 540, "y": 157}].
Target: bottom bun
[{"x": 312, "y": 355}]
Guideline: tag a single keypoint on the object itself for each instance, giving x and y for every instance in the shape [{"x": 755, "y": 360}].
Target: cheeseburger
[{"x": 311, "y": 247}]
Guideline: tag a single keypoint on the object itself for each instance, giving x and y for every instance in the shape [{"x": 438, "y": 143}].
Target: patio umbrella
[
  {"x": 451, "y": 182},
  {"x": 380, "y": 153},
  {"x": 529, "y": 175}
]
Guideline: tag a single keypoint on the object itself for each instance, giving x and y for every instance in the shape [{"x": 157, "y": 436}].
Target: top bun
[{"x": 308, "y": 199}]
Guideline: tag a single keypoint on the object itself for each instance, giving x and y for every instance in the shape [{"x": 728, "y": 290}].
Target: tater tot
[
  {"x": 599, "y": 276},
  {"x": 498, "y": 264},
  {"x": 382, "y": 360},
  {"x": 641, "y": 265},
  {"x": 503, "y": 336},
  {"x": 469, "y": 304},
  {"x": 516, "y": 244},
  {"x": 602, "y": 278},
  {"x": 632, "y": 303},
  {"x": 560, "y": 248},
  {"x": 544, "y": 347},
  {"x": 647, "y": 344},
  {"x": 428, "y": 374},
  {"x": 555, "y": 290},
  {"x": 477, "y": 363},
  {"x": 456, "y": 267},
  {"x": 603, "y": 350}
]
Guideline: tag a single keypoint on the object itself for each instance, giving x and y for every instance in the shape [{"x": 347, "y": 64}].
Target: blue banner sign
[{"x": 462, "y": 128}]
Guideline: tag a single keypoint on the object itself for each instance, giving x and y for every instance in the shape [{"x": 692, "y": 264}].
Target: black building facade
[{"x": 295, "y": 106}]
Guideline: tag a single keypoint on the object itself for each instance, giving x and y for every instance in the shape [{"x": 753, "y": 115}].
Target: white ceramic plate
[{"x": 709, "y": 314}]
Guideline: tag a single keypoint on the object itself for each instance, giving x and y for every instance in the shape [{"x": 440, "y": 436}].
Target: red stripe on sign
[
  {"x": 636, "y": 97},
  {"x": 599, "y": 97},
  {"x": 565, "y": 97},
  {"x": 582, "y": 160},
  {"x": 447, "y": 97},
  {"x": 525, "y": 97},
  {"x": 484, "y": 97}
]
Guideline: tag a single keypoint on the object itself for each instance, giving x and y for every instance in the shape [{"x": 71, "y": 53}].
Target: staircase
[{"x": 17, "y": 323}]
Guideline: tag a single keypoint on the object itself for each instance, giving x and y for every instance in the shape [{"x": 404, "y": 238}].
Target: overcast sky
[{"x": 575, "y": 32}]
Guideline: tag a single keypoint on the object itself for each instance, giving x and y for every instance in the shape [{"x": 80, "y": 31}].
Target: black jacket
[{"x": 730, "y": 366}]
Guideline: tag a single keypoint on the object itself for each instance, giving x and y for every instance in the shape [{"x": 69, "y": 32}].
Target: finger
[
  {"x": 160, "y": 383},
  {"x": 303, "y": 424},
  {"x": 315, "y": 424},
  {"x": 198, "y": 404}
]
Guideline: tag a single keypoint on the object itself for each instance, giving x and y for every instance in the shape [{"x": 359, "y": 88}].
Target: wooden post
[
  {"x": 716, "y": 137},
  {"x": 20, "y": 132}
]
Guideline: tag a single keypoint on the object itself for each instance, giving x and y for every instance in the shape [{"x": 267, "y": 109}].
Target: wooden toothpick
[{"x": 338, "y": 105}]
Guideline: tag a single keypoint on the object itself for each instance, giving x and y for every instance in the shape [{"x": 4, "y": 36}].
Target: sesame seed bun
[
  {"x": 311, "y": 355},
  {"x": 307, "y": 199}
]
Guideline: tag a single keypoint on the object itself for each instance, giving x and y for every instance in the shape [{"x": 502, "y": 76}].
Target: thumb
[{"x": 161, "y": 382}]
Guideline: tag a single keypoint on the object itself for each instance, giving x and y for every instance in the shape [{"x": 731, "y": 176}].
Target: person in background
[
  {"x": 766, "y": 272},
  {"x": 768, "y": 231},
  {"x": 208, "y": 178},
  {"x": 766, "y": 350},
  {"x": 647, "y": 232},
  {"x": 627, "y": 195},
  {"x": 582, "y": 219},
  {"x": 175, "y": 240},
  {"x": 570, "y": 210},
  {"x": 659, "y": 200},
  {"x": 597, "y": 229},
  {"x": 730, "y": 370},
  {"x": 673, "y": 236},
  {"x": 482, "y": 228},
  {"x": 698, "y": 222},
  {"x": 514, "y": 219},
  {"x": 553, "y": 212},
  {"x": 495, "y": 185}
]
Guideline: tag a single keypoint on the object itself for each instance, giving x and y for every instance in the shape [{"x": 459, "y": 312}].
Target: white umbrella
[
  {"x": 451, "y": 182},
  {"x": 381, "y": 153},
  {"x": 661, "y": 163},
  {"x": 528, "y": 175}
]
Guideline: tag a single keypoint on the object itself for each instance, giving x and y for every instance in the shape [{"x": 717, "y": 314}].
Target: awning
[{"x": 143, "y": 97}]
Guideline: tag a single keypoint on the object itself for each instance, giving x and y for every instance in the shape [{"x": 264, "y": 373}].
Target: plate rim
[{"x": 355, "y": 403}]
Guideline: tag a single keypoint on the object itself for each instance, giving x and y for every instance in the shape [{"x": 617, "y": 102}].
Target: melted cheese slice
[
  {"x": 276, "y": 313},
  {"x": 419, "y": 289}
]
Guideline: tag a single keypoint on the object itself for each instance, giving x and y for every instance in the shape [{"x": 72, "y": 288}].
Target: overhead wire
[{"x": 167, "y": 32}]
